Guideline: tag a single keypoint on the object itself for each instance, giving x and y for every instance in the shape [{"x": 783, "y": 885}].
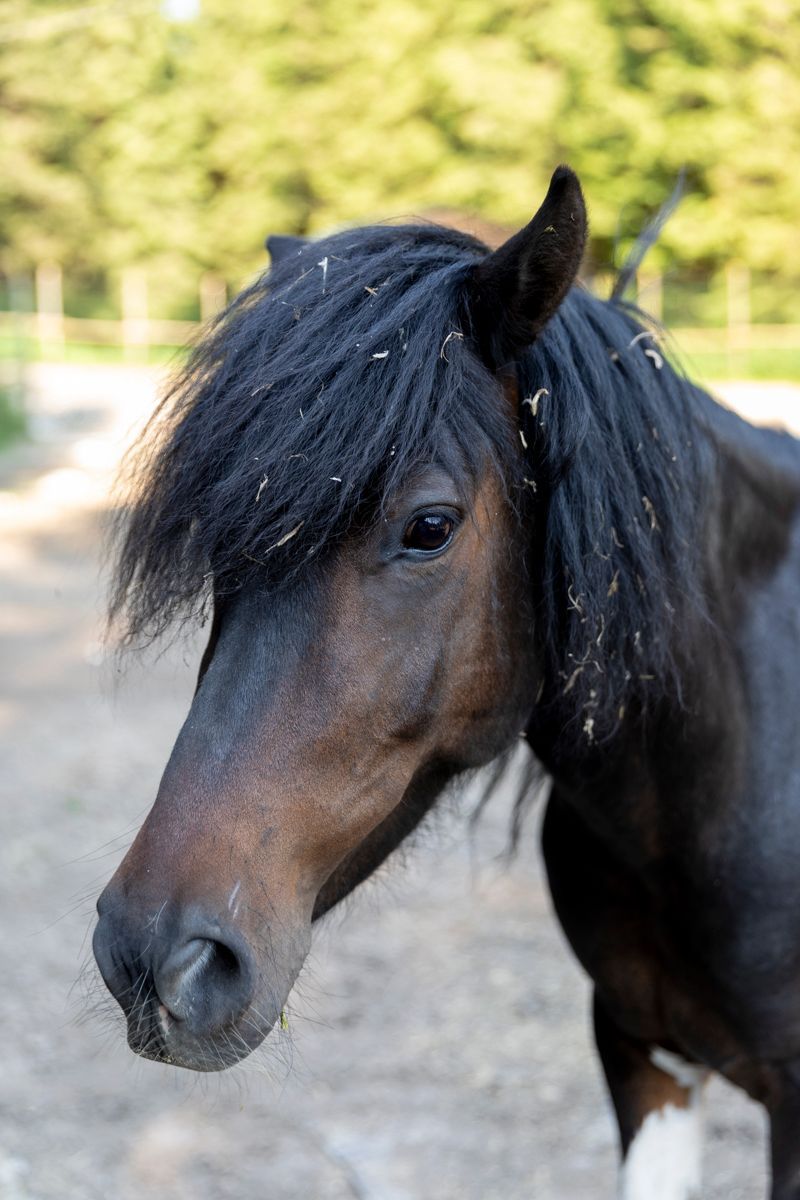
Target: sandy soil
[{"x": 438, "y": 1045}]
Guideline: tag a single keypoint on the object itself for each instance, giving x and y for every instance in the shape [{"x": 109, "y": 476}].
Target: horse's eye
[{"x": 428, "y": 532}]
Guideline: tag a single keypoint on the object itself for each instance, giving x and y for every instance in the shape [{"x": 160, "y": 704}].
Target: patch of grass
[
  {"x": 29, "y": 350},
  {"x": 783, "y": 364},
  {"x": 85, "y": 352},
  {"x": 12, "y": 419}
]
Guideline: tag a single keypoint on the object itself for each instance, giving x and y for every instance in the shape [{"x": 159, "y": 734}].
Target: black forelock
[{"x": 304, "y": 406}]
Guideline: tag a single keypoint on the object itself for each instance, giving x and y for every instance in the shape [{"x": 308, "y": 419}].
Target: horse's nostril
[
  {"x": 180, "y": 972},
  {"x": 204, "y": 983}
]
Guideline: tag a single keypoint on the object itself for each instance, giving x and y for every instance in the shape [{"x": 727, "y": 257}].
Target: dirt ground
[{"x": 438, "y": 1046}]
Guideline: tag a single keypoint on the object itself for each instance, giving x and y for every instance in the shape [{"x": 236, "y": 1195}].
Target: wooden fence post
[
  {"x": 651, "y": 294},
  {"x": 737, "y": 280},
  {"x": 20, "y": 301},
  {"x": 213, "y": 295},
  {"x": 135, "y": 322},
  {"x": 50, "y": 308}
]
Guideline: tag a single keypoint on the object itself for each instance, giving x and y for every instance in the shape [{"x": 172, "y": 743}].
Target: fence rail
[
  {"x": 705, "y": 339},
  {"x": 140, "y": 332}
]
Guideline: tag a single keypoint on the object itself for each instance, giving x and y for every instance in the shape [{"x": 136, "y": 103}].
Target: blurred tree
[{"x": 129, "y": 137}]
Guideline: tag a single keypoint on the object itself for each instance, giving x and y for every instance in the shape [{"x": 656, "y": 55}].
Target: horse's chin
[{"x": 156, "y": 1035}]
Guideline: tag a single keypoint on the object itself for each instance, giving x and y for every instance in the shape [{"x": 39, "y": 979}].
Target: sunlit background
[
  {"x": 148, "y": 147},
  {"x": 439, "y": 1044}
]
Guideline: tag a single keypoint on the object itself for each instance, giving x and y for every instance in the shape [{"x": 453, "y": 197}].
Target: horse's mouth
[{"x": 155, "y": 1034}]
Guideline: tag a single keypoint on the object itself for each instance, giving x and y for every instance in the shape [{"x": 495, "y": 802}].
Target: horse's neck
[
  {"x": 755, "y": 507},
  {"x": 692, "y": 743}
]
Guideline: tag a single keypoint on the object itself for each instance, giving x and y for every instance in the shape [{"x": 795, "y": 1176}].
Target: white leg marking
[
  {"x": 685, "y": 1074},
  {"x": 663, "y": 1161}
]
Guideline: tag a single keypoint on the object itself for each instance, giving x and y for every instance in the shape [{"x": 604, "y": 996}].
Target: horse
[{"x": 433, "y": 498}]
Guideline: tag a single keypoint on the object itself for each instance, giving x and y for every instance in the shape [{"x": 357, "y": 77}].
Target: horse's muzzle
[{"x": 186, "y": 982}]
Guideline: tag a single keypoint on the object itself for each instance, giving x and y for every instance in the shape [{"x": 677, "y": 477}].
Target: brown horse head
[{"x": 342, "y": 467}]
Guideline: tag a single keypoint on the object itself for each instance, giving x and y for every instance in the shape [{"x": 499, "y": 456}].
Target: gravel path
[{"x": 438, "y": 1045}]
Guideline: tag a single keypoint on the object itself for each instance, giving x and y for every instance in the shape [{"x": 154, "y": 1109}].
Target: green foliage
[{"x": 128, "y": 138}]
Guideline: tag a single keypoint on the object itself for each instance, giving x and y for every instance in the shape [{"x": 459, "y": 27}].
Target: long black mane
[
  {"x": 327, "y": 381},
  {"x": 620, "y": 444}
]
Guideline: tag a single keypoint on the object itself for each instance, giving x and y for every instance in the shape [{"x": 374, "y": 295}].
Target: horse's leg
[
  {"x": 656, "y": 1096},
  {"x": 784, "y": 1118}
]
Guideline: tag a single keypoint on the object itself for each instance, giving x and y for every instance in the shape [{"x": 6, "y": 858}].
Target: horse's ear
[
  {"x": 280, "y": 246},
  {"x": 517, "y": 289}
]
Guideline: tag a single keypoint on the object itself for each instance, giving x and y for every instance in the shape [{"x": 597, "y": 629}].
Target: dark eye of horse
[{"x": 428, "y": 532}]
